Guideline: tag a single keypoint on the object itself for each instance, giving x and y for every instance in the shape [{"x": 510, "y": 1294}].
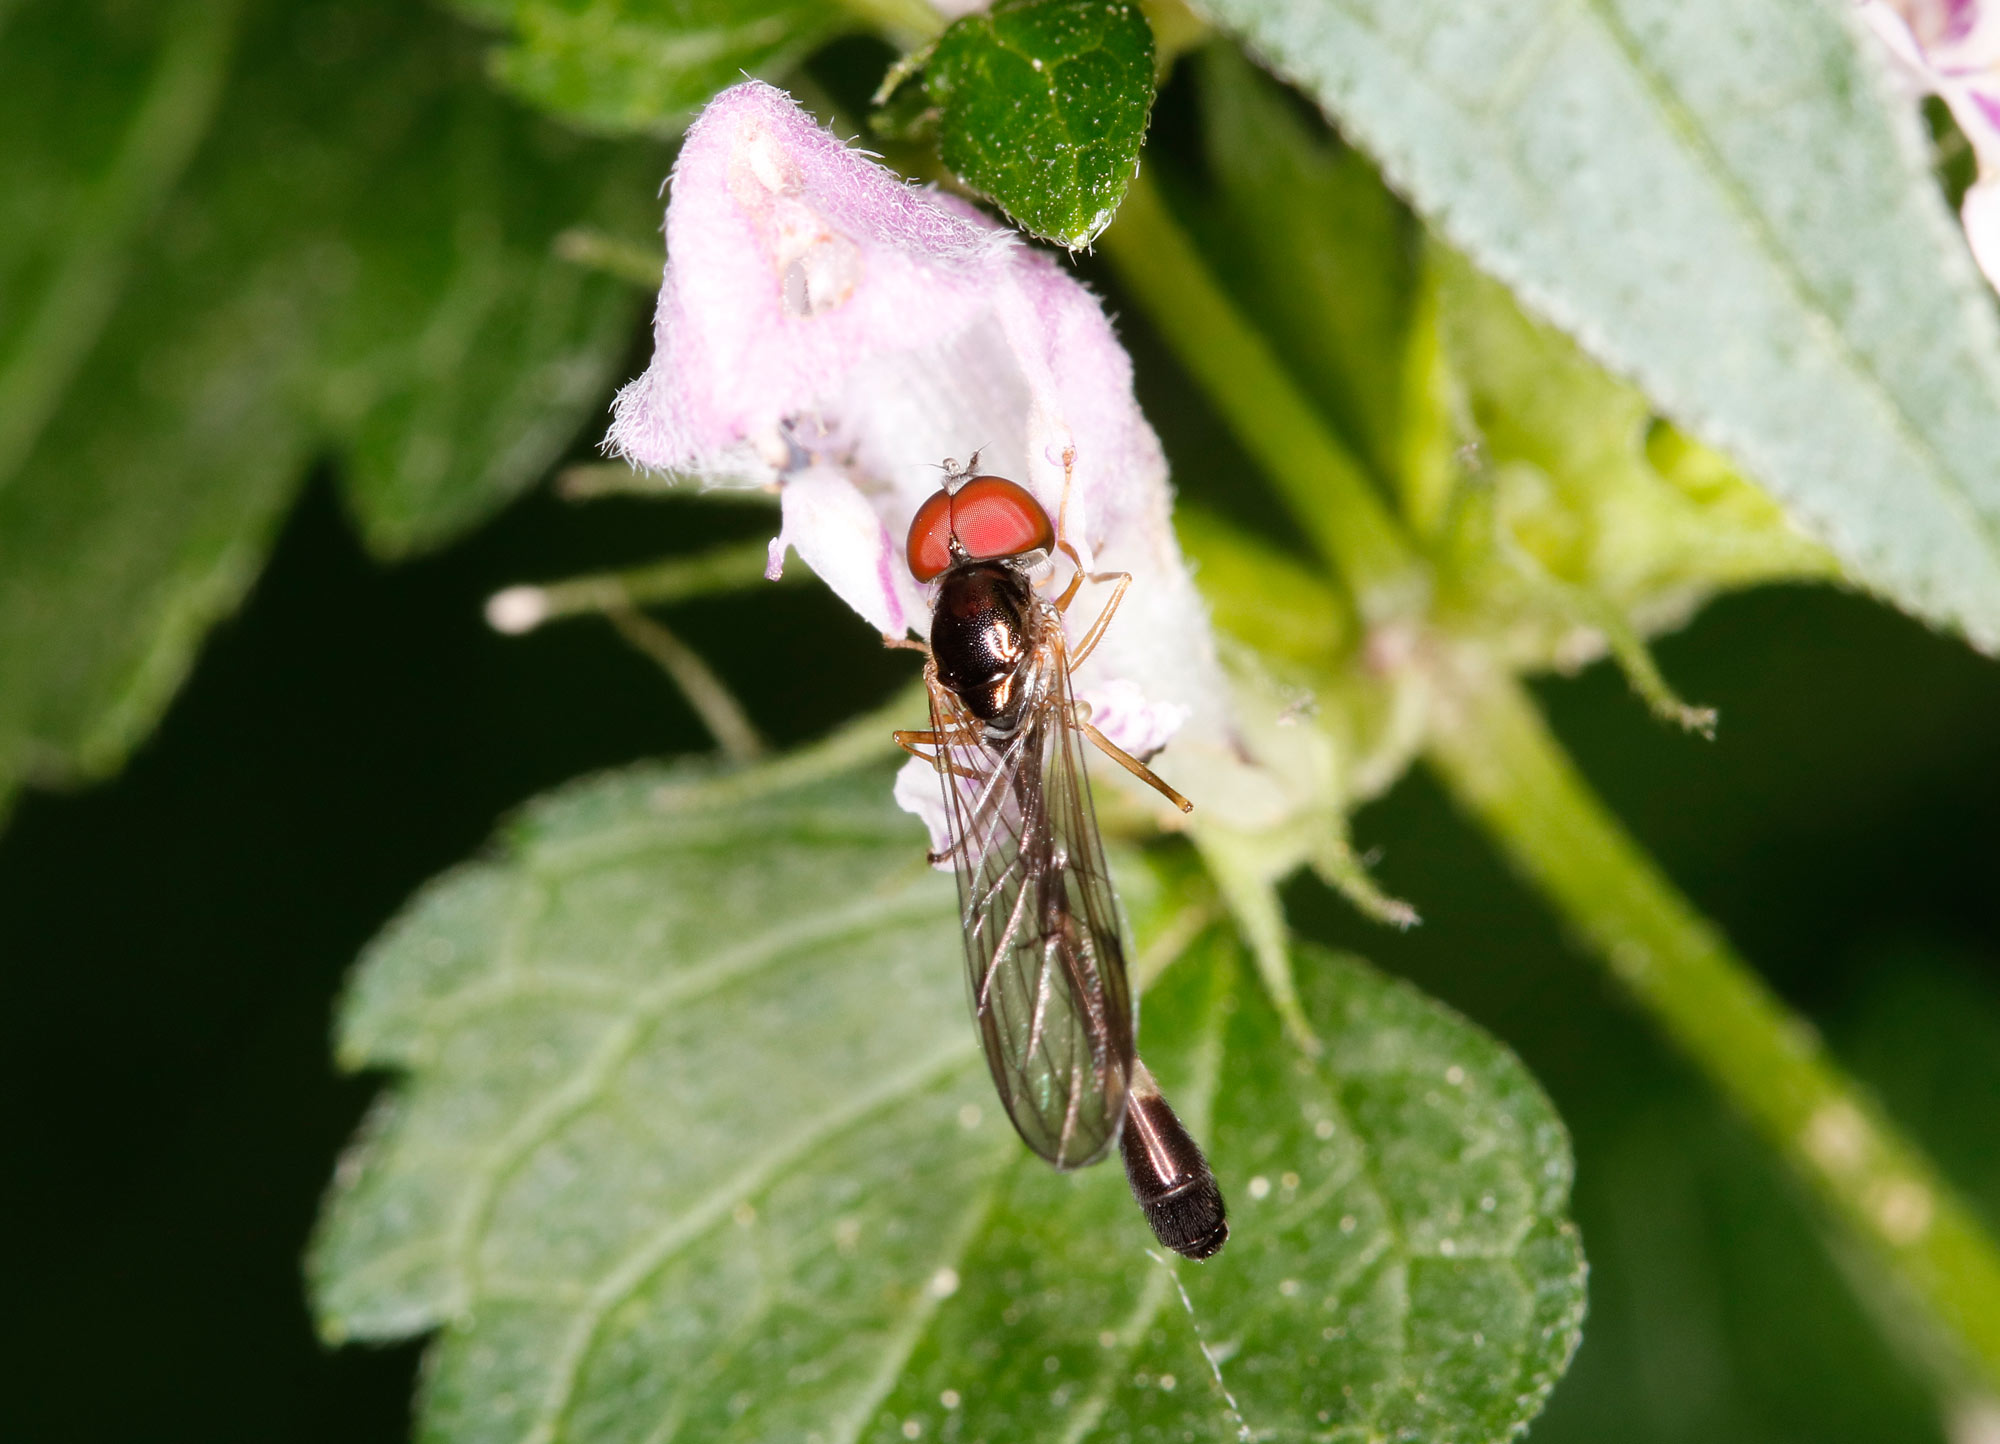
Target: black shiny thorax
[{"x": 982, "y": 632}]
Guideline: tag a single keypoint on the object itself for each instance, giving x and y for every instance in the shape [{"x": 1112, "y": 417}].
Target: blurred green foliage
[
  {"x": 645, "y": 65},
  {"x": 348, "y": 251}
]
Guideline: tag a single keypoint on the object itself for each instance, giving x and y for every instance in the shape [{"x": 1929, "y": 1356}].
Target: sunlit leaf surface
[
  {"x": 689, "y": 1137},
  {"x": 346, "y": 249},
  {"x": 1719, "y": 199},
  {"x": 1042, "y": 106}
]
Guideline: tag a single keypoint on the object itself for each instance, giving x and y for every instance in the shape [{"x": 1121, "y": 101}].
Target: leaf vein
[
  {"x": 659, "y": 1248},
  {"x": 567, "y": 1098}
]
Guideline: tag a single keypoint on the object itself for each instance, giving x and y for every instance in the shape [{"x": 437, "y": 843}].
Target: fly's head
[
  {"x": 981, "y": 539},
  {"x": 975, "y": 518}
]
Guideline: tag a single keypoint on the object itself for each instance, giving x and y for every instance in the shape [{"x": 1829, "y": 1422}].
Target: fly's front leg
[
  {"x": 906, "y": 644},
  {"x": 937, "y": 739},
  {"x": 910, "y": 739},
  {"x": 1096, "y": 633}
]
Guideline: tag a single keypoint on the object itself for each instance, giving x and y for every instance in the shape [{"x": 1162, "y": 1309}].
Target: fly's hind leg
[
  {"x": 1079, "y": 716},
  {"x": 911, "y": 739}
]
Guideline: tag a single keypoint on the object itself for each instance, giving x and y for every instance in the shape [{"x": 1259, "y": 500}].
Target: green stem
[
  {"x": 859, "y": 741},
  {"x": 707, "y": 693},
  {"x": 735, "y": 567},
  {"x": 627, "y": 261},
  {"x": 591, "y": 480},
  {"x": 1316, "y": 475},
  {"x": 904, "y": 23},
  {"x": 1497, "y": 756}
]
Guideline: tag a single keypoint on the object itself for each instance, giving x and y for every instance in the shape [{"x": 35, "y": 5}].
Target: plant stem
[
  {"x": 710, "y": 697},
  {"x": 904, "y": 23},
  {"x": 733, "y": 567},
  {"x": 591, "y": 480},
  {"x": 1316, "y": 475},
  {"x": 857, "y": 742},
  {"x": 1496, "y": 755},
  {"x": 627, "y": 261}
]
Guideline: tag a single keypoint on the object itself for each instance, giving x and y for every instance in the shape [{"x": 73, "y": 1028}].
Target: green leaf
[
  {"x": 1722, "y": 200},
  {"x": 348, "y": 246},
  {"x": 1042, "y": 106},
  {"x": 647, "y": 65},
  {"x": 469, "y": 350},
  {"x": 691, "y": 1137}
]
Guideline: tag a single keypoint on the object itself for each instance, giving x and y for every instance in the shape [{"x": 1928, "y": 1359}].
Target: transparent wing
[{"x": 1043, "y": 957}]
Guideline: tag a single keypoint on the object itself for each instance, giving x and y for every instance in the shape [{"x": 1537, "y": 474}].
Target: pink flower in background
[
  {"x": 1951, "y": 48},
  {"x": 829, "y": 329}
]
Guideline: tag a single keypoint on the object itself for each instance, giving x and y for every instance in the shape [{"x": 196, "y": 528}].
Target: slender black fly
[{"x": 1044, "y": 960}]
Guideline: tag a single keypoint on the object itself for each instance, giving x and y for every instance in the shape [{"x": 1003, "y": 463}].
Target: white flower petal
[
  {"x": 919, "y": 792},
  {"x": 1119, "y": 709},
  {"x": 841, "y": 537},
  {"x": 1951, "y": 48}
]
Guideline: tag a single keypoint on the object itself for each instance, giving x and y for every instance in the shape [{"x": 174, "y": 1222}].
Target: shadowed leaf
[
  {"x": 347, "y": 249},
  {"x": 625, "y": 65}
]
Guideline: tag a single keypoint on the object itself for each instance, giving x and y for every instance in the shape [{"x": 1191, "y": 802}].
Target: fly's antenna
[{"x": 955, "y": 475}]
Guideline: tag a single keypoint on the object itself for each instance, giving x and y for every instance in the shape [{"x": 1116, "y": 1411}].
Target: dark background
[{"x": 172, "y": 946}]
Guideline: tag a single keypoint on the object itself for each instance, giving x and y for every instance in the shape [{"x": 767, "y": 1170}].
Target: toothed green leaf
[
  {"x": 689, "y": 1135},
  {"x": 1042, "y": 106}
]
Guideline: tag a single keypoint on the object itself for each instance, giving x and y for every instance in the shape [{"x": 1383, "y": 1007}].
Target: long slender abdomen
[{"x": 1169, "y": 1176}]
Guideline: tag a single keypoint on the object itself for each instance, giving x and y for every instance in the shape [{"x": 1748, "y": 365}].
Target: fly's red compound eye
[
  {"x": 994, "y": 517},
  {"x": 991, "y": 517},
  {"x": 929, "y": 548}
]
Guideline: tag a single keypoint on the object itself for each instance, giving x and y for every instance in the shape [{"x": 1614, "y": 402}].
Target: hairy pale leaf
[
  {"x": 346, "y": 245},
  {"x": 690, "y": 1137},
  {"x": 1042, "y": 105},
  {"x": 1719, "y": 199}
]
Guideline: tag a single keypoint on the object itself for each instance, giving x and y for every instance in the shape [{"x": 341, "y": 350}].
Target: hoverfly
[{"x": 1044, "y": 960}]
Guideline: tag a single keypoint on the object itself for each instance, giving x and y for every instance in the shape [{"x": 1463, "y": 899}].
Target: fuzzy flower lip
[
  {"x": 1951, "y": 48},
  {"x": 826, "y": 328}
]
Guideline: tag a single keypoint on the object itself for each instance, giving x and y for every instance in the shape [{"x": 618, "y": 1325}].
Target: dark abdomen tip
[{"x": 1169, "y": 1176}]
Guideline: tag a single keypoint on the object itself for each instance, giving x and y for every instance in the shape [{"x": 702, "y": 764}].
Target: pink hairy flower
[
  {"x": 1951, "y": 48},
  {"x": 829, "y": 329}
]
